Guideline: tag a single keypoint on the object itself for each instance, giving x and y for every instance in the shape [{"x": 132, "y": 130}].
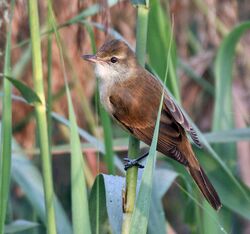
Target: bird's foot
[{"x": 131, "y": 163}]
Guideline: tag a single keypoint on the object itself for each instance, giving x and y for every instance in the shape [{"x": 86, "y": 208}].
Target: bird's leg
[{"x": 134, "y": 162}]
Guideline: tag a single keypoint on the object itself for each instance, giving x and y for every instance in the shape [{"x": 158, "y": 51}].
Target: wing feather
[{"x": 181, "y": 119}]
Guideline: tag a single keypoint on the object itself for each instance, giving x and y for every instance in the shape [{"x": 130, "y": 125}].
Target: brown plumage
[{"x": 133, "y": 99}]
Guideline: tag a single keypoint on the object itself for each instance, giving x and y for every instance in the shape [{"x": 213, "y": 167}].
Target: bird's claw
[{"x": 131, "y": 163}]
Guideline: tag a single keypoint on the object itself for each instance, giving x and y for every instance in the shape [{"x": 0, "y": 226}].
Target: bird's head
[{"x": 114, "y": 60}]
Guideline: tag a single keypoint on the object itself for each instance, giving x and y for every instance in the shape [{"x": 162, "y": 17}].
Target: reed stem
[{"x": 41, "y": 119}]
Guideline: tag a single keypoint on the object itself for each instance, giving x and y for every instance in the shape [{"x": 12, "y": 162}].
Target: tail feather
[{"x": 205, "y": 187}]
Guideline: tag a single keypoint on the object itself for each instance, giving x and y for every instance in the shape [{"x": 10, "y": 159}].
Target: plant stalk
[
  {"x": 41, "y": 119},
  {"x": 6, "y": 131}
]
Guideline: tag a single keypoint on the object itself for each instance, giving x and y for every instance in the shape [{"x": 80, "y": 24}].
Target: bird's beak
[{"x": 90, "y": 57}]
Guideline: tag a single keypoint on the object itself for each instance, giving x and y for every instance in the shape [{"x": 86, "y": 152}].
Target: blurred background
[{"x": 199, "y": 29}]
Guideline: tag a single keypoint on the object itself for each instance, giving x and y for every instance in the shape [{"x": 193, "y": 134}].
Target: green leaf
[
  {"x": 5, "y": 144},
  {"x": 142, "y": 206},
  {"x": 232, "y": 193},
  {"x": 223, "y": 73},
  {"x": 223, "y": 117},
  {"x": 28, "y": 177},
  {"x": 79, "y": 195},
  {"x": 232, "y": 135},
  {"x": 27, "y": 93},
  {"x": 233, "y": 197},
  {"x": 159, "y": 30},
  {"x": 106, "y": 204},
  {"x": 163, "y": 179},
  {"x": 41, "y": 118},
  {"x": 20, "y": 226}
]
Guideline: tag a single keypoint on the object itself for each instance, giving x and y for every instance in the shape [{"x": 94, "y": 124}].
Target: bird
[{"x": 131, "y": 95}]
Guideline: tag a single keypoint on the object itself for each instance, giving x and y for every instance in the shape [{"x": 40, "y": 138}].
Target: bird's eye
[{"x": 113, "y": 60}]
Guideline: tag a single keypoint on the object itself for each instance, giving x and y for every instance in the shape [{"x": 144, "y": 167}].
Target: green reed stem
[
  {"x": 40, "y": 109},
  {"x": 6, "y": 131}
]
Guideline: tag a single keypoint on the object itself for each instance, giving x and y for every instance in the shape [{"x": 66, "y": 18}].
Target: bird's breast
[{"x": 105, "y": 89}]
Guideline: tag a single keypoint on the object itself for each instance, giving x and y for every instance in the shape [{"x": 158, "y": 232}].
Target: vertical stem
[
  {"x": 40, "y": 109},
  {"x": 49, "y": 92},
  {"x": 6, "y": 131},
  {"x": 134, "y": 144}
]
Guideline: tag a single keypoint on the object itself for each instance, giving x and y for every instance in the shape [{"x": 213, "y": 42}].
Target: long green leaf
[
  {"x": 81, "y": 218},
  {"x": 223, "y": 117},
  {"x": 27, "y": 93},
  {"x": 232, "y": 135},
  {"x": 223, "y": 73},
  {"x": 157, "y": 220},
  {"x": 142, "y": 207},
  {"x": 108, "y": 190},
  {"x": 141, "y": 211},
  {"x": 157, "y": 46},
  {"x": 29, "y": 178},
  {"x": 79, "y": 196},
  {"x": 5, "y": 154},
  {"x": 20, "y": 226},
  {"x": 41, "y": 117}
]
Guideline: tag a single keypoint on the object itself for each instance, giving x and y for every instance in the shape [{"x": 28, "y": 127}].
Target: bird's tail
[{"x": 205, "y": 187}]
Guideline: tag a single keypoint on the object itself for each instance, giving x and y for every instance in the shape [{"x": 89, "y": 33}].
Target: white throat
[{"x": 108, "y": 75}]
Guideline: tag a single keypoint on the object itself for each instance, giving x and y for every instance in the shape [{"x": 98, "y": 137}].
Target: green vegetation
[{"x": 58, "y": 185}]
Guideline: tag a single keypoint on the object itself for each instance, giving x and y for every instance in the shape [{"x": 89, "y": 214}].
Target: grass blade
[
  {"x": 108, "y": 189},
  {"x": 20, "y": 226},
  {"x": 141, "y": 211},
  {"x": 80, "y": 213},
  {"x": 28, "y": 177},
  {"x": 223, "y": 118},
  {"x": 6, "y": 133},
  {"x": 79, "y": 196},
  {"x": 41, "y": 117},
  {"x": 159, "y": 30},
  {"x": 27, "y": 93},
  {"x": 232, "y": 135}
]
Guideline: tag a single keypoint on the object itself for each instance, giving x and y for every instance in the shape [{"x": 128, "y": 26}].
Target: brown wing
[
  {"x": 181, "y": 119},
  {"x": 137, "y": 112}
]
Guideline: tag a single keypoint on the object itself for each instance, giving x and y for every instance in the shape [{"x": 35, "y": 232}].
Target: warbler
[{"x": 131, "y": 95}]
